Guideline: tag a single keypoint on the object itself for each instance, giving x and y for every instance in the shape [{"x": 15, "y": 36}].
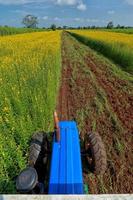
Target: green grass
[
  {"x": 116, "y": 30},
  {"x": 125, "y": 30},
  {"x": 12, "y": 30},
  {"x": 120, "y": 54}
]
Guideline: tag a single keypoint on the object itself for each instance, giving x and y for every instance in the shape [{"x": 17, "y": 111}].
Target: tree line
[{"x": 31, "y": 21}]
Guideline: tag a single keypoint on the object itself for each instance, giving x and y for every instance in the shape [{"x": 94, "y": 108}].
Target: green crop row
[{"x": 123, "y": 30}]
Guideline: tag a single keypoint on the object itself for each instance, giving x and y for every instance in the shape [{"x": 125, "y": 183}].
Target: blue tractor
[{"x": 57, "y": 168}]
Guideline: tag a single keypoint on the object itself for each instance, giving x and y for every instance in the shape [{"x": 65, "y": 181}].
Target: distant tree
[
  {"x": 110, "y": 25},
  {"x": 93, "y": 27},
  {"x": 30, "y": 21},
  {"x": 53, "y": 27},
  {"x": 65, "y": 27},
  {"x": 118, "y": 26},
  {"x": 59, "y": 27},
  {"x": 71, "y": 27}
]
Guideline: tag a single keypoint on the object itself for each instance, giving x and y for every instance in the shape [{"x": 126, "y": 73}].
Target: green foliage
[
  {"x": 53, "y": 27},
  {"x": 30, "y": 21},
  {"x": 12, "y": 30},
  {"x": 120, "y": 30},
  {"x": 110, "y": 25},
  {"x": 86, "y": 190}
]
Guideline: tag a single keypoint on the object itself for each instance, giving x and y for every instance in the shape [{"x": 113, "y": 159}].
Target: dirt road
[{"x": 99, "y": 97}]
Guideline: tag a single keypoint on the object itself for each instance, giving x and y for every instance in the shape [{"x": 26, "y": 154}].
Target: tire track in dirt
[
  {"x": 85, "y": 98},
  {"x": 63, "y": 105}
]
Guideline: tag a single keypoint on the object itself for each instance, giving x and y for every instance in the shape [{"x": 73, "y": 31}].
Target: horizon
[{"x": 72, "y": 13}]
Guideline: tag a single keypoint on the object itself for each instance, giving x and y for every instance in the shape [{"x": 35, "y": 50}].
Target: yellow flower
[
  {"x": 12, "y": 128},
  {"x": 7, "y": 120},
  {"x": 1, "y": 119},
  {"x": 109, "y": 37},
  {"x": 5, "y": 109}
]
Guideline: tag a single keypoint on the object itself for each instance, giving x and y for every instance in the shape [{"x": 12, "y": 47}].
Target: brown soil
[
  {"x": 99, "y": 100},
  {"x": 120, "y": 100}
]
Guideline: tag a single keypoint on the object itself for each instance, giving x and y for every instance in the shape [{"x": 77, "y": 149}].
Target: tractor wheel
[
  {"x": 38, "y": 146},
  {"x": 96, "y": 154}
]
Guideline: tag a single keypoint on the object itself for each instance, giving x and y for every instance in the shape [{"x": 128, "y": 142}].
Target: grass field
[
  {"x": 12, "y": 30},
  {"x": 124, "y": 30},
  {"x": 29, "y": 77},
  {"x": 116, "y": 46}
]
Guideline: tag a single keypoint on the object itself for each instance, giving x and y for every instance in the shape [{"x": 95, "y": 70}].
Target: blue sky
[{"x": 67, "y": 12}]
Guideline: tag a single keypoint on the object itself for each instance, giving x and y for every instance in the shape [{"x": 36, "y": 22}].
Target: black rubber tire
[
  {"x": 38, "y": 141},
  {"x": 98, "y": 153}
]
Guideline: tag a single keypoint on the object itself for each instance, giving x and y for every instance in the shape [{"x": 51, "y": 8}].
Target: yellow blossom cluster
[
  {"x": 109, "y": 37},
  {"x": 30, "y": 66}
]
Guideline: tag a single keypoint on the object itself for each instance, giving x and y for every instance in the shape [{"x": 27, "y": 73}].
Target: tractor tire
[
  {"x": 38, "y": 143},
  {"x": 97, "y": 155}
]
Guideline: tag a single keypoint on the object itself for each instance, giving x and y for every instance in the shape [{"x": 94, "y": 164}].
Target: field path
[{"x": 99, "y": 97}]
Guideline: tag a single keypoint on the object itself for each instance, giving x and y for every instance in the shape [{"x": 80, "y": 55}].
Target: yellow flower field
[
  {"x": 29, "y": 77},
  {"x": 110, "y": 37},
  {"x": 116, "y": 46}
]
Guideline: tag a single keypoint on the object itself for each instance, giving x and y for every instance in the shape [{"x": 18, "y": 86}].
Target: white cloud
[
  {"x": 111, "y": 12},
  {"x": 57, "y": 19},
  {"x": 23, "y": 2},
  {"x": 15, "y": 2},
  {"x": 104, "y": 21},
  {"x": 21, "y": 12},
  {"x": 78, "y": 3},
  {"x": 77, "y": 19},
  {"x": 45, "y": 17},
  {"x": 130, "y": 2},
  {"x": 92, "y": 20},
  {"x": 66, "y": 2},
  {"x": 81, "y": 6}
]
